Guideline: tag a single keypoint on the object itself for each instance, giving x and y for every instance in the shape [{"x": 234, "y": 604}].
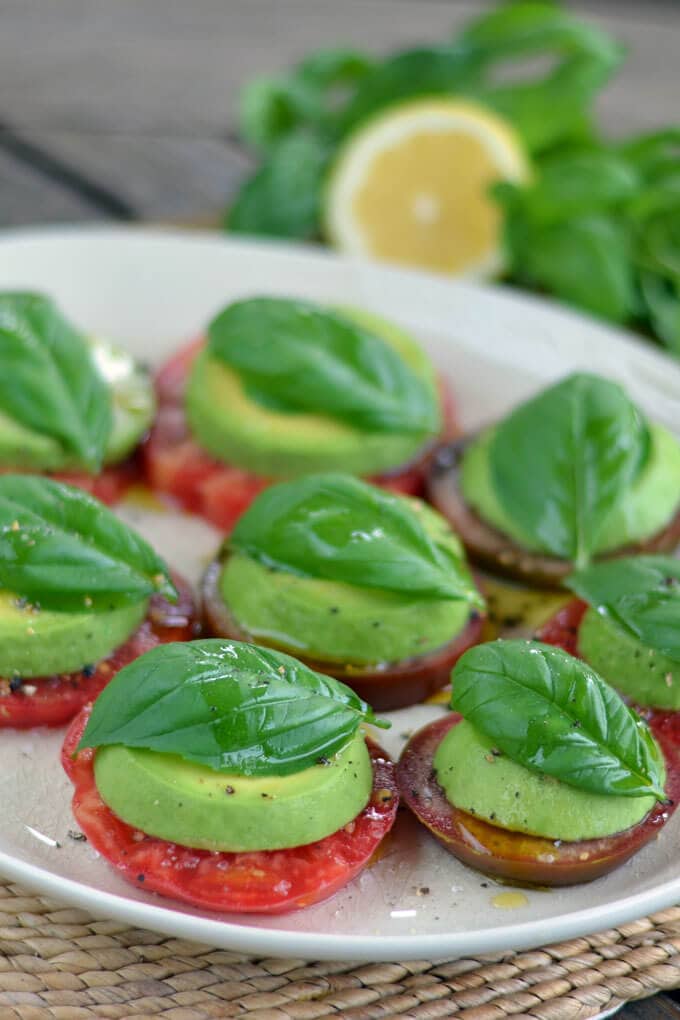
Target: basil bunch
[
  {"x": 48, "y": 379},
  {"x": 59, "y": 547},
  {"x": 641, "y": 594},
  {"x": 230, "y": 706},
  {"x": 298, "y": 356},
  {"x": 338, "y": 528},
  {"x": 563, "y": 460},
  {"x": 600, "y": 228},
  {"x": 299, "y": 120},
  {"x": 552, "y": 713}
]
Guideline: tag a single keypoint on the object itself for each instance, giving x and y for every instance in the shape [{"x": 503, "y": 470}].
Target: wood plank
[
  {"x": 159, "y": 178},
  {"x": 28, "y": 197},
  {"x": 169, "y": 67}
]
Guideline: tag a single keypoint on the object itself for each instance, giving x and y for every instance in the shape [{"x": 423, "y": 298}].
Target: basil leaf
[
  {"x": 641, "y": 594},
  {"x": 48, "y": 379},
  {"x": 562, "y": 461},
  {"x": 553, "y": 714},
  {"x": 59, "y": 546},
  {"x": 308, "y": 358},
  {"x": 338, "y": 528},
  {"x": 230, "y": 706},
  {"x": 283, "y": 197}
]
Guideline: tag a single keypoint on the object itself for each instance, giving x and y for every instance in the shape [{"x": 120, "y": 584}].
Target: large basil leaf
[
  {"x": 553, "y": 714},
  {"x": 562, "y": 461},
  {"x": 338, "y": 528},
  {"x": 230, "y": 706},
  {"x": 641, "y": 594},
  {"x": 59, "y": 546},
  {"x": 48, "y": 379},
  {"x": 307, "y": 358}
]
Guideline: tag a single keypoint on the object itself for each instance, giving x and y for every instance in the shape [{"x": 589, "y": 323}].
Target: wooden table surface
[{"x": 118, "y": 110}]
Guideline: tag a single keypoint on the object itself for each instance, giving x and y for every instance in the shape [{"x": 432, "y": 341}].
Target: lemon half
[{"x": 412, "y": 186}]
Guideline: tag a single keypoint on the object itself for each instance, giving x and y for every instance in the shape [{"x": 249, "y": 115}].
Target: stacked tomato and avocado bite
[
  {"x": 231, "y": 777},
  {"x": 282, "y": 388},
  {"x": 81, "y": 595},
  {"x": 625, "y": 623},
  {"x": 542, "y": 775},
  {"x": 366, "y": 585},
  {"x": 575, "y": 473},
  {"x": 71, "y": 406}
]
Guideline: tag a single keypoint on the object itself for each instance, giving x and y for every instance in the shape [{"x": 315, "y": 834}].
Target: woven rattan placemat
[{"x": 58, "y": 963}]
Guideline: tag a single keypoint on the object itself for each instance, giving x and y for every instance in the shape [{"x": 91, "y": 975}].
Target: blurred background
[{"x": 111, "y": 110}]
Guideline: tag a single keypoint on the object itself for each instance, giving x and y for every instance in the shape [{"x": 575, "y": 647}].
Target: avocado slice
[
  {"x": 643, "y": 674},
  {"x": 337, "y": 622},
  {"x": 649, "y": 505},
  {"x": 479, "y": 780},
  {"x": 235, "y": 428},
  {"x": 133, "y": 406},
  {"x": 165, "y": 796},
  {"x": 37, "y": 642}
]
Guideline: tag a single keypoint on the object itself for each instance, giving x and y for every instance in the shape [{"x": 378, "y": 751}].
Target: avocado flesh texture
[
  {"x": 132, "y": 406},
  {"x": 648, "y": 506},
  {"x": 339, "y": 622},
  {"x": 166, "y": 796},
  {"x": 510, "y": 796},
  {"x": 37, "y": 643},
  {"x": 239, "y": 430},
  {"x": 643, "y": 674}
]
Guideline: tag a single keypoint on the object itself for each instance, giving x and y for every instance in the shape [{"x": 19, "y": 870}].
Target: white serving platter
[{"x": 151, "y": 290}]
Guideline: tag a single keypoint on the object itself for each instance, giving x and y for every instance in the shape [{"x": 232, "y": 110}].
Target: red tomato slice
[
  {"x": 54, "y": 700},
  {"x": 109, "y": 486},
  {"x": 178, "y": 466},
  {"x": 562, "y": 628},
  {"x": 514, "y": 855},
  {"x": 263, "y": 882}
]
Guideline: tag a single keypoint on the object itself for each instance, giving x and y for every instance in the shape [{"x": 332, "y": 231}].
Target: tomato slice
[
  {"x": 263, "y": 882},
  {"x": 112, "y": 482},
  {"x": 54, "y": 700},
  {"x": 386, "y": 687},
  {"x": 177, "y": 466},
  {"x": 562, "y": 628},
  {"x": 516, "y": 856}
]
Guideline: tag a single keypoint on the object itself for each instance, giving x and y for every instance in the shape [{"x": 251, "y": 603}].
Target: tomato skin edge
[
  {"x": 518, "y": 857},
  {"x": 264, "y": 882},
  {"x": 58, "y": 698}
]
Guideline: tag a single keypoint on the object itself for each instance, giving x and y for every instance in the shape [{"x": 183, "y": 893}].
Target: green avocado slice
[
  {"x": 165, "y": 796},
  {"x": 644, "y": 674},
  {"x": 648, "y": 507},
  {"x": 491, "y": 786},
  {"x": 337, "y": 622},
  {"x": 38, "y": 642},
  {"x": 237, "y": 429}
]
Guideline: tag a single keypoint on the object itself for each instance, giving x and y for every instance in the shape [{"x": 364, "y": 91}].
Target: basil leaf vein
[
  {"x": 562, "y": 461},
  {"x": 311, "y": 359},
  {"x": 338, "y": 528},
  {"x": 641, "y": 594},
  {"x": 48, "y": 380},
  {"x": 230, "y": 706},
  {"x": 58, "y": 545},
  {"x": 553, "y": 714}
]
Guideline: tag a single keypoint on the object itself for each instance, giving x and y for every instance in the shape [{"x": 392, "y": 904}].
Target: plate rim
[{"x": 511, "y": 936}]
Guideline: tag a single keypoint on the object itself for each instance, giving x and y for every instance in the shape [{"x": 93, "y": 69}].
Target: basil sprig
[
  {"x": 553, "y": 714},
  {"x": 641, "y": 594},
  {"x": 230, "y": 706},
  {"x": 59, "y": 547},
  {"x": 297, "y": 356},
  {"x": 563, "y": 460},
  {"x": 48, "y": 379},
  {"x": 338, "y": 528}
]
